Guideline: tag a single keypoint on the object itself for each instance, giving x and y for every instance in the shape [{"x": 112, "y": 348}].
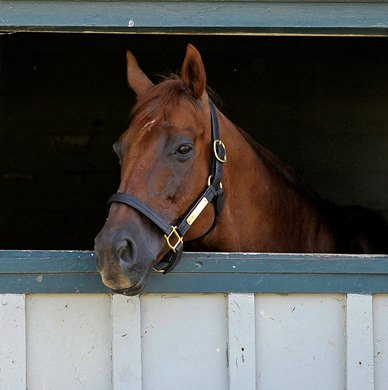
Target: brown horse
[{"x": 178, "y": 185}]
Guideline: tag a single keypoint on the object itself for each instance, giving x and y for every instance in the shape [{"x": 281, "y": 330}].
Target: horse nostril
[{"x": 127, "y": 255}]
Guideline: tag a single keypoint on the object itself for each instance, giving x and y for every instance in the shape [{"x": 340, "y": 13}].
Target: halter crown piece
[{"x": 214, "y": 192}]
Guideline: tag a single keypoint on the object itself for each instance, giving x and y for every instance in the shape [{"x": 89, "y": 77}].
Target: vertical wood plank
[
  {"x": 126, "y": 343},
  {"x": 359, "y": 333},
  {"x": 300, "y": 341},
  {"x": 184, "y": 341},
  {"x": 12, "y": 342},
  {"x": 69, "y": 338},
  {"x": 241, "y": 342},
  {"x": 380, "y": 336}
]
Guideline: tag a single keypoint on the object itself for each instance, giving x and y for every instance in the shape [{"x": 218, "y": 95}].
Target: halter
[{"x": 174, "y": 234}]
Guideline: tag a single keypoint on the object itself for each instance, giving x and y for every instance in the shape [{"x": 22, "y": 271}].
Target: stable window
[
  {"x": 318, "y": 103},
  {"x": 307, "y": 80}
]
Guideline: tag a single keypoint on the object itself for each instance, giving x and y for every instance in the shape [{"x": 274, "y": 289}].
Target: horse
[{"x": 191, "y": 176}]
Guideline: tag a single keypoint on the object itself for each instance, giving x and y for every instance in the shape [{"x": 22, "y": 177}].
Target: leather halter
[{"x": 213, "y": 192}]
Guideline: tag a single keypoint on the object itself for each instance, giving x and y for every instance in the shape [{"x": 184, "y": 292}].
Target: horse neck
[{"x": 266, "y": 207}]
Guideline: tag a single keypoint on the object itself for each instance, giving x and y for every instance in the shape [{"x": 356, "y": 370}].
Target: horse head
[{"x": 166, "y": 155}]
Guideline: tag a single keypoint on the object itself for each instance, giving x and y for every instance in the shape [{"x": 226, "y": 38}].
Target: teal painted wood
[
  {"x": 196, "y": 17},
  {"x": 75, "y": 272}
]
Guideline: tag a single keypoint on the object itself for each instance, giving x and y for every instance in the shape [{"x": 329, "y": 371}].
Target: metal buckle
[
  {"x": 167, "y": 237},
  {"x": 209, "y": 179},
  {"x": 215, "y": 144},
  {"x": 160, "y": 271}
]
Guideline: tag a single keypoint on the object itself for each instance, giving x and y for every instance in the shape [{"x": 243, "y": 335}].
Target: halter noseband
[{"x": 174, "y": 234}]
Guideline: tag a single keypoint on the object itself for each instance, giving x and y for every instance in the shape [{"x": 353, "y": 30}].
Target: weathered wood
[
  {"x": 184, "y": 341},
  {"x": 359, "y": 332},
  {"x": 13, "y": 352},
  {"x": 14, "y": 261},
  {"x": 194, "y": 16},
  {"x": 75, "y": 272},
  {"x": 126, "y": 343},
  {"x": 380, "y": 336},
  {"x": 301, "y": 341},
  {"x": 69, "y": 340},
  {"x": 241, "y": 341},
  {"x": 99, "y": 341}
]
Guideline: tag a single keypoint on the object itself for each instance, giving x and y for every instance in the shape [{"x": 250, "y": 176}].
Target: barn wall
[
  {"x": 191, "y": 341},
  {"x": 318, "y": 103},
  {"x": 219, "y": 321}
]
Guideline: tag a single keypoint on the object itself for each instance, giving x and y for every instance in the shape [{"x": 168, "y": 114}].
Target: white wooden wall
[{"x": 194, "y": 341}]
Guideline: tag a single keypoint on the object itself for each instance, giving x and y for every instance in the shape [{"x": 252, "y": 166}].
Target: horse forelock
[{"x": 160, "y": 101}]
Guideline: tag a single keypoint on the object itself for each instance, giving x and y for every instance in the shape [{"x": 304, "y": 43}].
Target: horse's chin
[
  {"x": 132, "y": 284},
  {"x": 135, "y": 290}
]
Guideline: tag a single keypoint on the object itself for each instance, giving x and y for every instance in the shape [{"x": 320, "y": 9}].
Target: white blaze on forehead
[{"x": 148, "y": 125}]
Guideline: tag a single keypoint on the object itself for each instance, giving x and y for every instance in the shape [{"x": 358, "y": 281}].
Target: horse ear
[
  {"x": 137, "y": 79},
  {"x": 193, "y": 73}
]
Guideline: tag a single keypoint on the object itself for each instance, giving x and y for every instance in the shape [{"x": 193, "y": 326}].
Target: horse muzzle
[{"x": 120, "y": 262}]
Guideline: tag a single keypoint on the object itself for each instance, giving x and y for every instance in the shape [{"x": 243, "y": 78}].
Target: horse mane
[
  {"x": 284, "y": 171},
  {"x": 354, "y": 227},
  {"x": 357, "y": 229}
]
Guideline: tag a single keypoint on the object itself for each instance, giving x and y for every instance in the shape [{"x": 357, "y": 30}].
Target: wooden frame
[
  {"x": 25, "y": 272},
  {"x": 239, "y": 276},
  {"x": 221, "y": 17}
]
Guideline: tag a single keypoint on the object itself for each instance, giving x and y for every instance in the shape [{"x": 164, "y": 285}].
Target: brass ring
[{"x": 219, "y": 142}]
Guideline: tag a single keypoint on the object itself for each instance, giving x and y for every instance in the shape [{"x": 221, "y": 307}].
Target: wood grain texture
[
  {"x": 75, "y": 272},
  {"x": 162, "y": 16}
]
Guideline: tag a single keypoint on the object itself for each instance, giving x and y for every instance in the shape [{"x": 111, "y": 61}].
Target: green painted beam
[
  {"x": 75, "y": 272},
  {"x": 229, "y": 17}
]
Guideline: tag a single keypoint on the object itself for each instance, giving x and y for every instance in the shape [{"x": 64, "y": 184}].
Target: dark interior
[{"x": 319, "y": 103}]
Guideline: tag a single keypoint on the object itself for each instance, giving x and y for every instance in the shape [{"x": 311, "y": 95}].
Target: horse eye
[{"x": 184, "y": 149}]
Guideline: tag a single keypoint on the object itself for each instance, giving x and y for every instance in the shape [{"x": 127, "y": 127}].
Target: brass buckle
[
  {"x": 176, "y": 234},
  {"x": 215, "y": 144},
  {"x": 209, "y": 179},
  {"x": 160, "y": 271}
]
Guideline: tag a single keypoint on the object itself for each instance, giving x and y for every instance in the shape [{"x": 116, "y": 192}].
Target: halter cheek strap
[{"x": 213, "y": 193}]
